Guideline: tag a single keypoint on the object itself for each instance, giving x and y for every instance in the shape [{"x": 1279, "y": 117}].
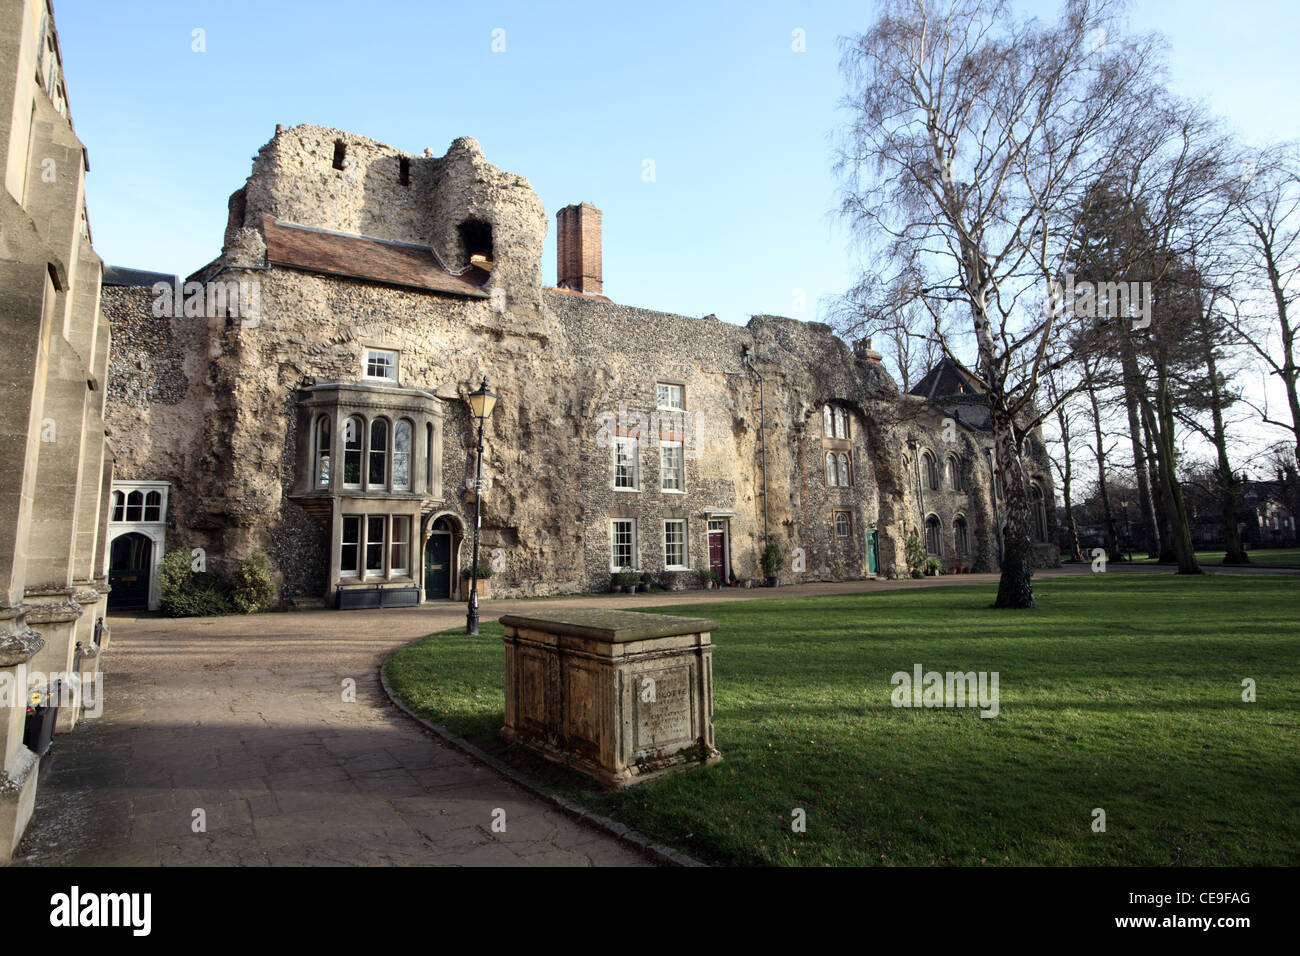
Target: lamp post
[{"x": 481, "y": 403}]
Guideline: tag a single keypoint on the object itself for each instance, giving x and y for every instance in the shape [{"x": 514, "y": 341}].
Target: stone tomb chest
[{"x": 619, "y": 695}]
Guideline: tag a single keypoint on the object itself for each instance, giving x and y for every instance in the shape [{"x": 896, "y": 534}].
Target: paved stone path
[{"x": 244, "y": 719}]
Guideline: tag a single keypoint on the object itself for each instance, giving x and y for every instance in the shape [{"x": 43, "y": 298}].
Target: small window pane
[
  {"x": 378, "y": 453},
  {"x": 402, "y": 456},
  {"x": 119, "y": 506},
  {"x": 381, "y": 364},
  {"x": 832, "y": 475},
  {"x": 828, "y": 427},
  {"x": 671, "y": 396},
  {"x": 841, "y": 524},
  {"x": 672, "y": 466},
  {"x": 400, "y": 559},
  {"x": 375, "y": 526},
  {"x": 348, "y": 560},
  {"x": 323, "y": 439},
  {"x": 674, "y": 544},
  {"x": 844, "y": 471},
  {"x": 153, "y": 506},
  {"x": 625, "y": 452},
  {"x": 352, "y": 438},
  {"x": 134, "y": 506}
]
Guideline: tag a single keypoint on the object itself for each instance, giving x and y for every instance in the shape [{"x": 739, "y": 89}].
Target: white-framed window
[
  {"x": 673, "y": 472},
  {"x": 350, "y": 556},
  {"x": 377, "y": 476},
  {"x": 671, "y": 397},
  {"x": 400, "y": 559},
  {"x": 675, "y": 544},
  {"x": 625, "y": 463},
  {"x": 153, "y": 506},
  {"x": 622, "y": 543},
  {"x": 843, "y": 524},
  {"x": 119, "y": 506},
  {"x": 353, "y": 439},
  {"x": 324, "y": 437},
  {"x": 402, "y": 456},
  {"x": 376, "y": 528},
  {"x": 380, "y": 364}
]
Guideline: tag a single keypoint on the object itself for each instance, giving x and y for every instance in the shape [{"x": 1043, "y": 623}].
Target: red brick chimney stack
[{"x": 578, "y": 256}]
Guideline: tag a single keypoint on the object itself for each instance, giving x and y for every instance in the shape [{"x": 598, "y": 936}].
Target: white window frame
[
  {"x": 685, "y": 545},
  {"x": 343, "y": 530},
  {"x": 664, "y": 448},
  {"x": 613, "y": 544},
  {"x": 618, "y": 443},
  {"x": 667, "y": 406},
  {"x": 368, "y": 376},
  {"x": 394, "y": 542},
  {"x": 366, "y": 544}
]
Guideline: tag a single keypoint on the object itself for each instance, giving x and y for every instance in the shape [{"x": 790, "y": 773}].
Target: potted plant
[
  {"x": 42, "y": 714},
  {"x": 627, "y": 580},
  {"x": 933, "y": 566},
  {"x": 771, "y": 562},
  {"x": 914, "y": 553},
  {"x": 643, "y": 586},
  {"x": 484, "y": 572},
  {"x": 709, "y": 578}
]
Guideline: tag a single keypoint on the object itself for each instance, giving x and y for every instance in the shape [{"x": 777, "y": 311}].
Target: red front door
[{"x": 718, "y": 550}]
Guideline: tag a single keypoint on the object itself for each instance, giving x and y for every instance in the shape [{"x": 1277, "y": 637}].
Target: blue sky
[{"x": 739, "y": 218}]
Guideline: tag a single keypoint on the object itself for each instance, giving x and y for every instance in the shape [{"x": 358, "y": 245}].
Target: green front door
[
  {"x": 437, "y": 567},
  {"x": 872, "y": 561}
]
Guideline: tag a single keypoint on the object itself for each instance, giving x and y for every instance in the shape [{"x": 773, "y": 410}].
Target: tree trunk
[
  {"x": 1067, "y": 476},
  {"x": 1160, "y": 422},
  {"x": 1234, "y": 553},
  {"x": 1112, "y": 538},
  {"x": 1146, "y": 501}
]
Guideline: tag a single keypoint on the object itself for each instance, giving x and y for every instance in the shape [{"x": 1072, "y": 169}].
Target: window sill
[{"x": 630, "y": 490}]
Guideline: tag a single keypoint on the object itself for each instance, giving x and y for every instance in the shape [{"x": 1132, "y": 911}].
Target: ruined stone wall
[{"x": 210, "y": 404}]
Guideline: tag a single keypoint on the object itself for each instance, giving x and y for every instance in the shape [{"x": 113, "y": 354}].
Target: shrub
[
  {"x": 484, "y": 571},
  {"x": 709, "y": 577},
  {"x": 251, "y": 586},
  {"x": 771, "y": 560},
  {"x": 183, "y": 592},
  {"x": 627, "y": 577},
  {"x": 914, "y": 553}
]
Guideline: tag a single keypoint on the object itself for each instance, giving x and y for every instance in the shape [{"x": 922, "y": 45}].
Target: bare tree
[{"x": 973, "y": 138}]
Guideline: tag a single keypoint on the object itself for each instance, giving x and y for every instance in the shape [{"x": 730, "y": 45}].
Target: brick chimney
[{"x": 578, "y": 255}]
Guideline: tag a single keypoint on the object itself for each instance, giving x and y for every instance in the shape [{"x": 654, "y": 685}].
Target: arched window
[
  {"x": 323, "y": 438},
  {"x": 353, "y": 436},
  {"x": 933, "y": 536},
  {"x": 402, "y": 456},
  {"x": 844, "y": 471},
  {"x": 931, "y": 470},
  {"x": 828, "y": 427},
  {"x": 135, "y": 506},
  {"x": 961, "y": 535},
  {"x": 954, "y": 474},
  {"x": 842, "y": 524},
  {"x": 841, "y": 423},
  {"x": 153, "y": 506},
  {"x": 378, "y": 472},
  {"x": 119, "y": 506},
  {"x": 831, "y": 473},
  {"x": 1040, "y": 513},
  {"x": 428, "y": 457}
]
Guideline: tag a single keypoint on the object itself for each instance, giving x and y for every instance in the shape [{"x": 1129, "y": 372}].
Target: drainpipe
[{"x": 762, "y": 432}]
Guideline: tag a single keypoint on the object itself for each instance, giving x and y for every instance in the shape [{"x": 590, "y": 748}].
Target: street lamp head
[{"x": 482, "y": 402}]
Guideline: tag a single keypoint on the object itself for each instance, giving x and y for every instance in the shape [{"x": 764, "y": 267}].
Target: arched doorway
[
  {"x": 130, "y": 564},
  {"x": 438, "y": 562}
]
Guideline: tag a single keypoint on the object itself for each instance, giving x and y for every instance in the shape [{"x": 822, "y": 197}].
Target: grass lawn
[
  {"x": 1122, "y": 692},
  {"x": 1264, "y": 557}
]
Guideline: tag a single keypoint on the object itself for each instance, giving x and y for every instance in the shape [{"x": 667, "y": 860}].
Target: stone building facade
[
  {"x": 304, "y": 395},
  {"x": 55, "y": 464}
]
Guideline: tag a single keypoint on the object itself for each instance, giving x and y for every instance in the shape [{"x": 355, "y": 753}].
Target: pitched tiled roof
[{"x": 362, "y": 257}]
